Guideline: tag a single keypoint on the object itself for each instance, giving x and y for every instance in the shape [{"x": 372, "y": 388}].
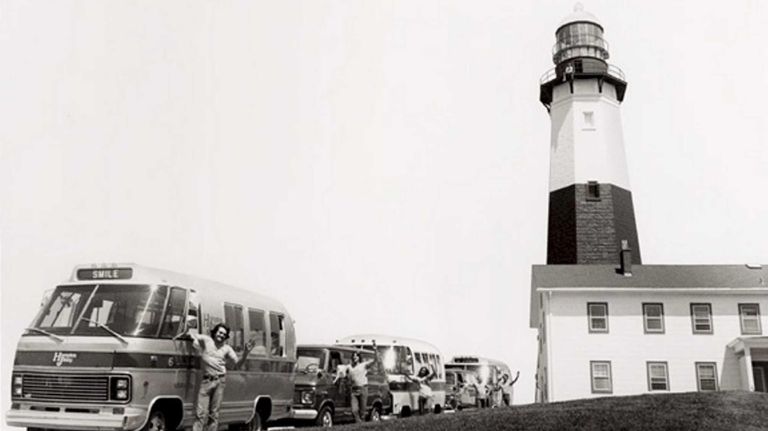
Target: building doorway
[{"x": 760, "y": 372}]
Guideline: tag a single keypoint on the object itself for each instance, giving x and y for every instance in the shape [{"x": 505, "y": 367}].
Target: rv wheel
[
  {"x": 375, "y": 414},
  {"x": 156, "y": 421},
  {"x": 255, "y": 423},
  {"x": 325, "y": 418}
]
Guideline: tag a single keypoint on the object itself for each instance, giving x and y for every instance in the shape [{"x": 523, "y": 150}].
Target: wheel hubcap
[{"x": 327, "y": 420}]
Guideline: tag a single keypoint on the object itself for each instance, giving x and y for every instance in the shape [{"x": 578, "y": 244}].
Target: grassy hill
[{"x": 742, "y": 411}]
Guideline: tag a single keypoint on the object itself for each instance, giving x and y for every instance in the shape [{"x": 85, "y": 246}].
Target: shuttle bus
[
  {"x": 108, "y": 350},
  {"x": 487, "y": 371},
  {"x": 401, "y": 357}
]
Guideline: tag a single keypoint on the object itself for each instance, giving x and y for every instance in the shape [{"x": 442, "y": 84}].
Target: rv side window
[
  {"x": 233, "y": 317},
  {"x": 277, "y": 335},
  {"x": 174, "y": 313},
  {"x": 257, "y": 332}
]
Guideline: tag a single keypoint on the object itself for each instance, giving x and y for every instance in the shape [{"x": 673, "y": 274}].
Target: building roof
[
  {"x": 651, "y": 276},
  {"x": 644, "y": 277}
]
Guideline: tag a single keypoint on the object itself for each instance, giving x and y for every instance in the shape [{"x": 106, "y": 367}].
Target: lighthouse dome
[{"x": 579, "y": 15}]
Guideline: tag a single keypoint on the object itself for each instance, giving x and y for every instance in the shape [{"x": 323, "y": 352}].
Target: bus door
[
  {"x": 187, "y": 376},
  {"x": 341, "y": 390},
  {"x": 236, "y": 378}
]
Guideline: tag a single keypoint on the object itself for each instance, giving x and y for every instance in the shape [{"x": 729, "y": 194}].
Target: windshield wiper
[
  {"x": 54, "y": 336},
  {"x": 106, "y": 328}
]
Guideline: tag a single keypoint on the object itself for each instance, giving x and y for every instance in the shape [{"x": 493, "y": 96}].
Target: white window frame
[
  {"x": 695, "y": 318},
  {"x": 647, "y": 318},
  {"x": 699, "y": 366},
  {"x": 743, "y": 317},
  {"x": 658, "y": 365},
  {"x": 594, "y": 376},
  {"x": 590, "y": 317}
]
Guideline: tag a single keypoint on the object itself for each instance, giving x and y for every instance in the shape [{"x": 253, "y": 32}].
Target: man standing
[
  {"x": 358, "y": 376},
  {"x": 214, "y": 353},
  {"x": 506, "y": 388}
]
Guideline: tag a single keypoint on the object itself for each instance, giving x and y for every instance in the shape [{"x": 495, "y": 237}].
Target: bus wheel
[
  {"x": 255, "y": 423},
  {"x": 156, "y": 421},
  {"x": 325, "y": 418},
  {"x": 375, "y": 414}
]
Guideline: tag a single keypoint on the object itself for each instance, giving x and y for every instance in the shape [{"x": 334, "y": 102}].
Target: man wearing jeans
[
  {"x": 358, "y": 376},
  {"x": 214, "y": 353}
]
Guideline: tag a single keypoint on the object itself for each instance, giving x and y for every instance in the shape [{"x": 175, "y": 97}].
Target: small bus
[
  {"x": 108, "y": 350},
  {"x": 488, "y": 371},
  {"x": 401, "y": 357}
]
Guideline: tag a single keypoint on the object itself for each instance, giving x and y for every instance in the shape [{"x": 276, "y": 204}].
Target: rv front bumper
[
  {"x": 303, "y": 414},
  {"x": 102, "y": 420}
]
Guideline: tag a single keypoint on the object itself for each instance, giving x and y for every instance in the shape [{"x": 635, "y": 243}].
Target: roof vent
[{"x": 754, "y": 266}]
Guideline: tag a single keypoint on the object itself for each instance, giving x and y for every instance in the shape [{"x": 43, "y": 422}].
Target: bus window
[
  {"x": 174, "y": 313},
  {"x": 418, "y": 358},
  {"x": 233, "y": 317},
  {"x": 257, "y": 332},
  {"x": 450, "y": 379},
  {"x": 277, "y": 335}
]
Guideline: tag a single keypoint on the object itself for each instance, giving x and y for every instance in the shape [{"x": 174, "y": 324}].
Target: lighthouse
[{"x": 591, "y": 216}]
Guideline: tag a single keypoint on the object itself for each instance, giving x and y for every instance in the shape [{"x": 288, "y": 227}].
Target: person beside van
[
  {"x": 506, "y": 388},
  {"x": 357, "y": 373},
  {"x": 214, "y": 353},
  {"x": 482, "y": 392},
  {"x": 423, "y": 377}
]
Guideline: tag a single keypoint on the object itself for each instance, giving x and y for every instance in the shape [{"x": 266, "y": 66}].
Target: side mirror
[{"x": 191, "y": 322}]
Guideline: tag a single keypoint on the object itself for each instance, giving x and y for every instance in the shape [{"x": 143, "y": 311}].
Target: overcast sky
[{"x": 378, "y": 166}]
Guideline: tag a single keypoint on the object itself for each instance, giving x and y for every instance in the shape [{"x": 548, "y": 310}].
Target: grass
[{"x": 742, "y": 411}]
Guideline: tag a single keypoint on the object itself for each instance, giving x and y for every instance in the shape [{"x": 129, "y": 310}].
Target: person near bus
[
  {"x": 506, "y": 388},
  {"x": 482, "y": 392},
  {"x": 214, "y": 353},
  {"x": 357, "y": 373},
  {"x": 423, "y": 378}
]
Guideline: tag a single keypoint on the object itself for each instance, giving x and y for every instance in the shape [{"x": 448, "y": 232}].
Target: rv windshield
[
  {"x": 396, "y": 359},
  {"x": 128, "y": 309},
  {"x": 307, "y": 357}
]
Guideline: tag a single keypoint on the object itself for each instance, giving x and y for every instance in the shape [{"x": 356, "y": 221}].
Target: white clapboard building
[
  {"x": 607, "y": 324},
  {"x": 649, "y": 328}
]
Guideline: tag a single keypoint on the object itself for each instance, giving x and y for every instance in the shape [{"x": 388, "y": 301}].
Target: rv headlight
[
  {"x": 307, "y": 397},
  {"x": 18, "y": 385},
  {"x": 120, "y": 388}
]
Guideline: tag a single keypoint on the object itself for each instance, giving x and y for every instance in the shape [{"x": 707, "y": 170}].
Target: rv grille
[{"x": 65, "y": 387}]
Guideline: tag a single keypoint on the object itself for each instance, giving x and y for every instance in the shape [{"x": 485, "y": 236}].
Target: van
[
  {"x": 108, "y": 351},
  {"x": 322, "y": 399}
]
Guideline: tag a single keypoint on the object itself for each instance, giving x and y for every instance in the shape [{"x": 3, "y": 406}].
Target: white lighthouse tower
[{"x": 590, "y": 203}]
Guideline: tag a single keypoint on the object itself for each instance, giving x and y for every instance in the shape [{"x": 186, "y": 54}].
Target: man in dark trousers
[{"x": 358, "y": 377}]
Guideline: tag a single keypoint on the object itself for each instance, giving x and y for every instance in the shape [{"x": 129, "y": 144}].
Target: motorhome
[
  {"x": 405, "y": 357},
  {"x": 108, "y": 350},
  {"x": 488, "y": 372}
]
